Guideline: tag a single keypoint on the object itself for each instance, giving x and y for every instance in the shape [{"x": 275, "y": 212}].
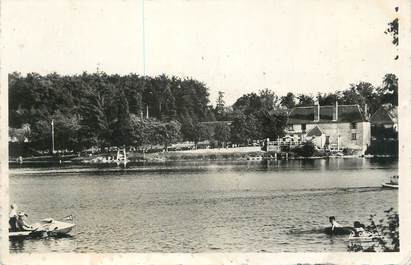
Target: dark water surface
[{"x": 278, "y": 206}]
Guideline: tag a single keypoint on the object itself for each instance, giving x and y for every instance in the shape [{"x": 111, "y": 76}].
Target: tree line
[
  {"x": 97, "y": 109},
  {"x": 105, "y": 110}
]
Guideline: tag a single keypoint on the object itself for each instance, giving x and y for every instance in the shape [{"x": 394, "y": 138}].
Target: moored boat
[{"x": 392, "y": 184}]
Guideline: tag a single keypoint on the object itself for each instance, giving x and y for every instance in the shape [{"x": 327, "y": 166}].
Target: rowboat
[
  {"x": 392, "y": 184},
  {"x": 364, "y": 237},
  {"x": 44, "y": 228}
]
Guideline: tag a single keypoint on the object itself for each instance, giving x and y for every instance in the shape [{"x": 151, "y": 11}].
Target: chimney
[
  {"x": 336, "y": 110},
  {"x": 317, "y": 112},
  {"x": 366, "y": 111}
]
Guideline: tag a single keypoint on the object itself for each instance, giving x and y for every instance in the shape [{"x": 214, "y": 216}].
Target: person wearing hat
[
  {"x": 13, "y": 218},
  {"x": 22, "y": 224}
]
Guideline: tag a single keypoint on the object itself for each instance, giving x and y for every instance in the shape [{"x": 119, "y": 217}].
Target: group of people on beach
[{"x": 18, "y": 220}]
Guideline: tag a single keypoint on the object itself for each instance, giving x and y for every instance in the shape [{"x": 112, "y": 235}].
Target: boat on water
[
  {"x": 345, "y": 230},
  {"x": 45, "y": 228},
  {"x": 367, "y": 240},
  {"x": 392, "y": 184},
  {"x": 364, "y": 237}
]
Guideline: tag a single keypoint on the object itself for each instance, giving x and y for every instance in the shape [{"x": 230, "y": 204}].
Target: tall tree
[
  {"x": 248, "y": 104},
  {"x": 269, "y": 100},
  {"x": 389, "y": 90},
  {"x": 362, "y": 94},
  {"x": 122, "y": 131},
  {"x": 244, "y": 128},
  {"x": 222, "y": 133},
  {"x": 327, "y": 99},
  {"x": 219, "y": 108},
  {"x": 393, "y": 31},
  {"x": 67, "y": 131},
  {"x": 99, "y": 113},
  {"x": 305, "y": 100},
  {"x": 170, "y": 133},
  {"x": 288, "y": 101},
  {"x": 273, "y": 123}
]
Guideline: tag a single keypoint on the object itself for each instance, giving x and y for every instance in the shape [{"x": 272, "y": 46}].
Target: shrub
[
  {"x": 386, "y": 233},
  {"x": 305, "y": 150},
  {"x": 285, "y": 148}
]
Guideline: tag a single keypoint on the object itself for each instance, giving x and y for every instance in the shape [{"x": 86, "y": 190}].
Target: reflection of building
[
  {"x": 334, "y": 127},
  {"x": 384, "y": 130}
]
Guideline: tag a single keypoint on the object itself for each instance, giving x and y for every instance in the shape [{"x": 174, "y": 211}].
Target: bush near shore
[{"x": 386, "y": 234}]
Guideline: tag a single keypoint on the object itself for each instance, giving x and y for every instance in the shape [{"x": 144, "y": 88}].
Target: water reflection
[
  {"x": 203, "y": 206},
  {"x": 17, "y": 245}
]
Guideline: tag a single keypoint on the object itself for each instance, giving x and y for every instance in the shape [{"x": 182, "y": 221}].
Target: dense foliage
[
  {"x": 393, "y": 31},
  {"x": 258, "y": 116},
  {"x": 386, "y": 234},
  {"x": 100, "y": 110},
  {"x": 305, "y": 150}
]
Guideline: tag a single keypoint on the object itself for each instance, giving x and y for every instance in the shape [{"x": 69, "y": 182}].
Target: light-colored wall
[
  {"x": 344, "y": 130},
  {"x": 366, "y": 135}
]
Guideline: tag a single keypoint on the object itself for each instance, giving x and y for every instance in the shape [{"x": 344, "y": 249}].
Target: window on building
[
  {"x": 303, "y": 127},
  {"x": 354, "y": 125},
  {"x": 353, "y": 136}
]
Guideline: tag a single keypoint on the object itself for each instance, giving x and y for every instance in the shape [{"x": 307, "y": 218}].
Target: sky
[{"x": 234, "y": 46}]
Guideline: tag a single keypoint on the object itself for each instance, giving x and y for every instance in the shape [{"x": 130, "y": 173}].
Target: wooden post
[{"x": 52, "y": 136}]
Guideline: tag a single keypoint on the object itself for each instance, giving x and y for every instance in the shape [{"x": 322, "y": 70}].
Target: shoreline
[{"x": 258, "y": 156}]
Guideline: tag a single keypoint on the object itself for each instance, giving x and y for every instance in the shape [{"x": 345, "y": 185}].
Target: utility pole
[{"x": 52, "y": 136}]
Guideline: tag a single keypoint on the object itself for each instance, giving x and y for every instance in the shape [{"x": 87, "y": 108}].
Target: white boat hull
[
  {"x": 20, "y": 234},
  {"x": 46, "y": 227},
  {"x": 60, "y": 227},
  {"x": 390, "y": 186}
]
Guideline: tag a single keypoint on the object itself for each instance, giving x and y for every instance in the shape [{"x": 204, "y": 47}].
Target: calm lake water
[{"x": 278, "y": 206}]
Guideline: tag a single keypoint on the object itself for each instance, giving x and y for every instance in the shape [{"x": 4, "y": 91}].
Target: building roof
[
  {"x": 346, "y": 113},
  {"x": 386, "y": 114},
  {"x": 316, "y": 131}
]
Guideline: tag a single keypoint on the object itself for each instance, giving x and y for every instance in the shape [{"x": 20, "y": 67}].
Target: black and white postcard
[{"x": 205, "y": 132}]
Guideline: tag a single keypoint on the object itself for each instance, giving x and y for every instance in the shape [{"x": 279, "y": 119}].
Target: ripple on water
[{"x": 218, "y": 209}]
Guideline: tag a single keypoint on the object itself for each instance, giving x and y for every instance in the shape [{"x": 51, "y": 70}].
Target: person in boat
[
  {"x": 359, "y": 229},
  {"x": 22, "y": 224},
  {"x": 334, "y": 223},
  {"x": 13, "y": 217}
]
